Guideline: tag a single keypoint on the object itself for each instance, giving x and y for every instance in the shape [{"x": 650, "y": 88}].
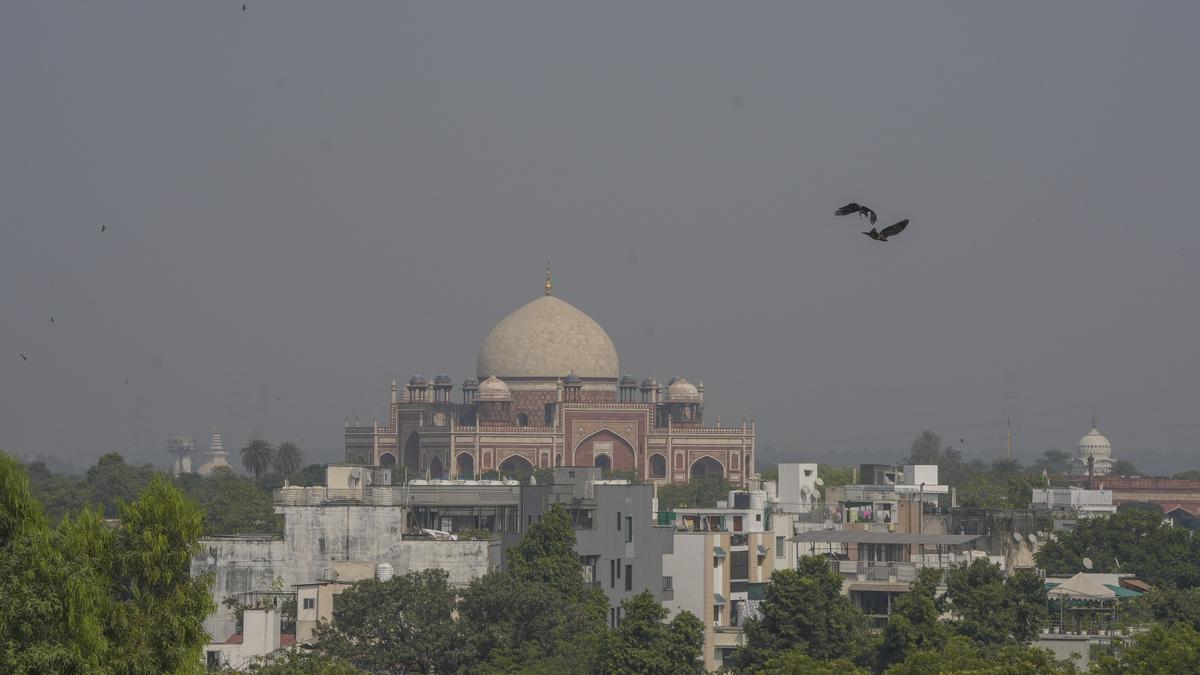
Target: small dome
[
  {"x": 493, "y": 389},
  {"x": 470, "y": 383},
  {"x": 680, "y": 390},
  {"x": 1094, "y": 444},
  {"x": 443, "y": 378},
  {"x": 571, "y": 378},
  {"x": 649, "y": 383},
  {"x": 417, "y": 381},
  {"x": 628, "y": 380}
]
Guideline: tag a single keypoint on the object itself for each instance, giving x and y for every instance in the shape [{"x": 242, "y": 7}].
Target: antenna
[{"x": 1087, "y": 563}]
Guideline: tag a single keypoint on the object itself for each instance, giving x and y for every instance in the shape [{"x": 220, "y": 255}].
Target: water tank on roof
[{"x": 384, "y": 571}]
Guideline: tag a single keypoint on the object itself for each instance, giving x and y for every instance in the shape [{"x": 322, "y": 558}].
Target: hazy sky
[{"x": 307, "y": 199}]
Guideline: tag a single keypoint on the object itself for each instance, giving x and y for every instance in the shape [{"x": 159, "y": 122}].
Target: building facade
[{"x": 548, "y": 392}]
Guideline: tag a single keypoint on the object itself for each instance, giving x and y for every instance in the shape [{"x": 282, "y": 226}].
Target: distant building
[
  {"x": 217, "y": 456},
  {"x": 547, "y": 392},
  {"x": 1094, "y": 454},
  {"x": 1085, "y": 503},
  {"x": 183, "y": 451}
]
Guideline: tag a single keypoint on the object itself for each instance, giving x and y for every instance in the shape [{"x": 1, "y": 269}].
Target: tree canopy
[
  {"x": 258, "y": 456},
  {"x": 288, "y": 458},
  {"x": 1135, "y": 539},
  {"x": 646, "y": 642}
]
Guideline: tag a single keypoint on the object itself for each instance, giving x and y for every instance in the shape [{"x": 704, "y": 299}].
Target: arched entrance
[
  {"x": 605, "y": 442},
  {"x": 658, "y": 466},
  {"x": 707, "y": 466},
  {"x": 387, "y": 459},
  {"x": 412, "y": 454},
  {"x": 435, "y": 468},
  {"x": 466, "y": 466},
  {"x": 605, "y": 465},
  {"x": 516, "y": 467}
]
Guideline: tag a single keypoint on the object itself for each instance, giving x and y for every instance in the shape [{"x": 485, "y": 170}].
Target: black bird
[
  {"x": 126, "y": 382},
  {"x": 51, "y": 319},
  {"x": 889, "y": 231},
  {"x": 103, "y": 228},
  {"x": 852, "y": 208},
  {"x": 962, "y": 441},
  {"x": 243, "y": 6},
  {"x": 23, "y": 357}
]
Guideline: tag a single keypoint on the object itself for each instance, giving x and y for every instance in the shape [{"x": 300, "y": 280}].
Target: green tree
[
  {"x": 796, "y": 661},
  {"x": 301, "y": 662},
  {"x": 88, "y": 598},
  {"x": 231, "y": 504},
  {"x": 914, "y": 622},
  {"x": 313, "y": 474},
  {"x": 405, "y": 624},
  {"x": 1054, "y": 462},
  {"x": 1123, "y": 467},
  {"x": 1137, "y": 539},
  {"x": 1170, "y": 606},
  {"x": 288, "y": 458},
  {"x": 111, "y": 481},
  {"x": 58, "y": 493},
  {"x": 1162, "y": 650},
  {"x": 539, "y": 611},
  {"x": 959, "y": 655},
  {"x": 1190, "y": 474},
  {"x": 647, "y": 643},
  {"x": 258, "y": 456},
  {"x": 804, "y": 608},
  {"x": 701, "y": 492},
  {"x": 992, "y": 609}
]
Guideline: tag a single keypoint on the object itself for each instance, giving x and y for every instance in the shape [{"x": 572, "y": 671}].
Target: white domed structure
[
  {"x": 217, "y": 456},
  {"x": 1096, "y": 446},
  {"x": 547, "y": 339},
  {"x": 493, "y": 389},
  {"x": 682, "y": 391}
]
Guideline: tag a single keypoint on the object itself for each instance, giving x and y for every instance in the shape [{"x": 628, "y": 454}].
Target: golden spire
[{"x": 549, "y": 286}]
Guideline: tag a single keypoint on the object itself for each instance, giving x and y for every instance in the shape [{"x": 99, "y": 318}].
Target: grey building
[{"x": 619, "y": 545}]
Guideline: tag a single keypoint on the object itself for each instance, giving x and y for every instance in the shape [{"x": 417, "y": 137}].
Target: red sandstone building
[{"x": 549, "y": 393}]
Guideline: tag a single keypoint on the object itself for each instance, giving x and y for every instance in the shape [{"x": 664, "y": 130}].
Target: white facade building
[{"x": 1085, "y": 502}]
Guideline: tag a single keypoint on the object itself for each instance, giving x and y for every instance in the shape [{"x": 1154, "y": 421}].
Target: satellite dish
[
  {"x": 820, "y": 481},
  {"x": 1018, "y": 537},
  {"x": 828, "y": 524},
  {"x": 1087, "y": 563},
  {"x": 1032, "y": 538}
]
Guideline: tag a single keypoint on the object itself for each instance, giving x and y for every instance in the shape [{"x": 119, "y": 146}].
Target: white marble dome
[
  {"x": 1094, "y": 444},
  {"x": 546, "y": 339},
  {"x": 493, "y": 389},
  {"x": 680, "y": 390}
]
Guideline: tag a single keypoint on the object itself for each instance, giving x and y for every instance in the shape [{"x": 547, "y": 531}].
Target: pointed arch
[
  {"x": 412, "y": 453},
  {"x": 658, "y": 466},
  {"x": 605, "y": 441},
  {"x": 705, "y": 466},
  {"x": 435, "y": 468},
  {"x": 604, "y": 463},
  {"x": 515, "y": 466},
  {"x": 466, "y": 466},
  {"x": 387, "y": 459}
]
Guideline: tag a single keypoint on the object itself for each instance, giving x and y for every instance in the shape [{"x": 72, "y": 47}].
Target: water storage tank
[{"x": 384, "y": 571}]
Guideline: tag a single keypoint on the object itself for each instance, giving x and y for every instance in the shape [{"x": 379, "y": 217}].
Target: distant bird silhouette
[
  {"x": 962, "y": 441},
  {"x": 890, "y": 231},
  {"x": 104, "y": 228},
  {"x": 51, "y": 319},
  {"x": 126, "y": 382},
  {"x": 243, "y": 6},
  {"x": 852, "y": 208},
  {"x": 23, "y": 357}
]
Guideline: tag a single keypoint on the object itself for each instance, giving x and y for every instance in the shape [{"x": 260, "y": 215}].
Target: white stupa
[
  {"x": 216, "y": 456},
  {"x": 1094, "y": 445}
]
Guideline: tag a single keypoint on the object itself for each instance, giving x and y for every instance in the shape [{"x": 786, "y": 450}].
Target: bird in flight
[
  {"x": 889, "y": 231},
  {"x": 862, "y": 211},
  {"x": 243, "y": 6},
  {"x": 23, "y": 357},
  {"x": 51, "y": 319},
  {"x": 104, "y": 228}
]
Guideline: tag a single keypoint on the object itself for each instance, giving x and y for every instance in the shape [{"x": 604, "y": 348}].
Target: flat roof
[{"x": 865, "y": 537}]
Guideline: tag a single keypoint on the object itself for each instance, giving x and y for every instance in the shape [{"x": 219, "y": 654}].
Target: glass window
[
  {"x": 629, "y": 577},
  {"x": 628, "y": 529},
  {"x": 309, "y": 603},
  {"x": 668, "y": 584},
  {"x": 779, "y": 547}
]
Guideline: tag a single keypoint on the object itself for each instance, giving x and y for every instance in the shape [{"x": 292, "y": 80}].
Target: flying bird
[
  {"x": 852, "y": 208},
  {"x": 104, "y": 228},
  {"x": 51, "y": 319},
  {"x": 243, "y": 6},
  {"x": 23, "y": 357},
  {"x": 890, "y": 231}
]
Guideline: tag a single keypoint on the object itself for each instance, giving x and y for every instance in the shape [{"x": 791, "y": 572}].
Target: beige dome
[
  {"x": 680, "y": 390},
  {"x": 547, "y": 338},
  {"x": 493, "y": 389}
]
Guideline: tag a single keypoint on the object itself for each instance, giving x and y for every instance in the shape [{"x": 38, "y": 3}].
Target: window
[
  {"x": 628, "y": 529},
  {"x": 214, "y": 659},
  {"x": 739, "y": 564},
  {"x": 618, "y": 568},
  {"x": 668, "y": 584},
  {"x": 717, "y": 614},
  {"x": 310, "y": 603},
  {"x": 612, "y": 573},
  {"x": 737, "y": 523},
  {"x": 618, "y": 521},
  {"x": 779, "y": 547},
  {"x": 522, "y": 420}
]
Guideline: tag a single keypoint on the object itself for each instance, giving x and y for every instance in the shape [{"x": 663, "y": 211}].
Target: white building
[
  {"x": 1085, "y": 502},
  {"x": 183, "y": 450},
  {"x": 217, "y": 456},
  {"x": 260, "y": 637}
]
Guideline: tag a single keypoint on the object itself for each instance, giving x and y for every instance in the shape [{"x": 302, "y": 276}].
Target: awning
[
  {"x": 718, "y": 599},
  {"x": 762, "y": 550},
  {"x": 718, "y": 551},
  {"x": 1123, "y": 592}
]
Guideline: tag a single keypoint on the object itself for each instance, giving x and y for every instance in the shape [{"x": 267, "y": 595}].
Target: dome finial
[
  {"x": 549, "y": 286},
  {"x": 1093, "y": 421}
]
